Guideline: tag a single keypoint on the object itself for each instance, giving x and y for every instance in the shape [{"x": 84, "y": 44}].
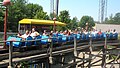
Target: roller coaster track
[
  {"x": 63, "y": 49},
  {"x": 83, "y": 45}
]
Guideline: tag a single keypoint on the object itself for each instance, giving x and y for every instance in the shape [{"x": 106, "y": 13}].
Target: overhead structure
[
  {"x": 51, "y": 6},
  {"x": 40, "y": 22},
  {"x": 57, "y": 5},
  {"x": 54, "y": 5},
  {"x": 102, "y": 10},
  {"x": 54, "y": 12}
]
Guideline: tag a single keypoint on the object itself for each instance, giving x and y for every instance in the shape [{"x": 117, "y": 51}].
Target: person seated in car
[
  {"x": 24, "y": 36},
  {"x": 45, "y": 32},
  {"x": 114, "y": 31},
  {"x": 99, "y": 32},
  {"x": 34, "y": 33},
  {"x": 76, "y": 31}
]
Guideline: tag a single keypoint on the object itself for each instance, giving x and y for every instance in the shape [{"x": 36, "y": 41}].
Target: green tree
[
  {"x": 65, "y": 18},
  {"x": 113, "y": 19},
  {"x": 106, "y": 20},
  {"x": 74, "y": 23},
  {"x": 36, "y": 11},
  {"x": 1, "y": 21},
  {"x": 21, "y": 9},
  {"x": 110, "y": 19},
  {"x": 1, "y": 0},
  {"x": 16, "y": 12},
  {"x": 117, "y": 18},
  {"x": 51, "y": 16},
  {"x": 86, "y": 22},
  {"x": 32, "y": 9},
  {"x": 1, "y": 17},
  {"x": 41, "y": 15}
]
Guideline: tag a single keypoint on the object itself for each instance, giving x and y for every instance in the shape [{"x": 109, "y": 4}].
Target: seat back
[
  {"x": 15, "y": 44},
  {"x": 28, "y": 42},
  {"x": 44, "y": 39}
]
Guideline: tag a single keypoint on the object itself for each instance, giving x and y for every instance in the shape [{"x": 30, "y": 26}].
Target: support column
[
  {"x": 10, "y": 54},
  {"x": 83, "y": 60},
  {"x": 119, "y": 62},
  {"x": 90, "y": 50},
  {"x": 35, "y": 66},
  {"x": 47, "y": 63},
  {"x": 63, "y": 60},
  {"x": 75, "y": 51},
  {"x": 50, "y": 57},
  {"x": 104, "y": 54},
  {"x": 5, "y": 27}
]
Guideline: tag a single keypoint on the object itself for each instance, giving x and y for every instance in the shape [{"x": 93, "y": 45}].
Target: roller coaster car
[
  {"x": 14, "y": 38},
  {"x": 42, "y": 40},
  {"x": 112, "y": 36},
  {"x": 18, "y": 42}
]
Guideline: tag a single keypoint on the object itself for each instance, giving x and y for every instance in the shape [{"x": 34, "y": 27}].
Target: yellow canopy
[{"x": 42, "y": 22}]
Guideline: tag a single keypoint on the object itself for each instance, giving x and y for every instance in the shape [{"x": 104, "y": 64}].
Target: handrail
[
  {"x": 34, "y": 39},
  {"x": 39, "y": 39}
]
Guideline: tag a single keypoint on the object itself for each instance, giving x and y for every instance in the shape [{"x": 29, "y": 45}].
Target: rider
[
  {"x": 34, "y": 33},
  {"x": 24, "y": 36}
]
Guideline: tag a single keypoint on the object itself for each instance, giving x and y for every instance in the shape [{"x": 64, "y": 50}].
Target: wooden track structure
[{"x": 86, "y": 48}]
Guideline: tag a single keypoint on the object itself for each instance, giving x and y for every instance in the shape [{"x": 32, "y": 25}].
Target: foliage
[
  {"x": 32, "y": 9},
  {"x": 51, "y": 16},
  {"x": 74, "y": 23},
  {"x": 117, "y": 18},
  {"x": 86, "y": 22},
  {"x": 65, "y": 18},
  {"x": 36, "y": 11},
  {"x": 41, "y": 15},
  {"x": 113, "y": 19},
  {"x": 1, "y": 20},
  {"x": 16, "y": 12},
  {"x": 109, "y": 20},
  {"x": 21, "y": 9},
  {"x": 1, "y": 0}
]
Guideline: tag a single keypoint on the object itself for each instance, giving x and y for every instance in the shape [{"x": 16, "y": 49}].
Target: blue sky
[{"x": 80, "y": 8}]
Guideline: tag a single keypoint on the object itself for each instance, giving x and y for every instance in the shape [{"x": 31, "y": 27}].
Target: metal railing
[{"x": 8, "y": 34}]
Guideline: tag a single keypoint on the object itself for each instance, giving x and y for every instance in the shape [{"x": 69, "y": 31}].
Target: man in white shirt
[{"x": 24, "y": 36}]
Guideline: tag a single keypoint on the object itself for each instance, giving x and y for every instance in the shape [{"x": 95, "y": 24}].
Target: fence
[{"x": 8, "y": 34}]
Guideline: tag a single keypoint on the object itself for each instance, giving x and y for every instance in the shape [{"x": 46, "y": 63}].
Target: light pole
[
  {"x": 54, "y": 28},
  {"x": 5, "y": 3},
  {"x": 54, "y": 19}
]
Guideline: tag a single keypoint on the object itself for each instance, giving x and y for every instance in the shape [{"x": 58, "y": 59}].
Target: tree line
[
  {"x": 113, "y": 19},
  {"x": 21, "y": 9}
]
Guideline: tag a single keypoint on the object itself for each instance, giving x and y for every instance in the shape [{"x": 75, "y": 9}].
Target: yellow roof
[{"x": 42, "y": 22}]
